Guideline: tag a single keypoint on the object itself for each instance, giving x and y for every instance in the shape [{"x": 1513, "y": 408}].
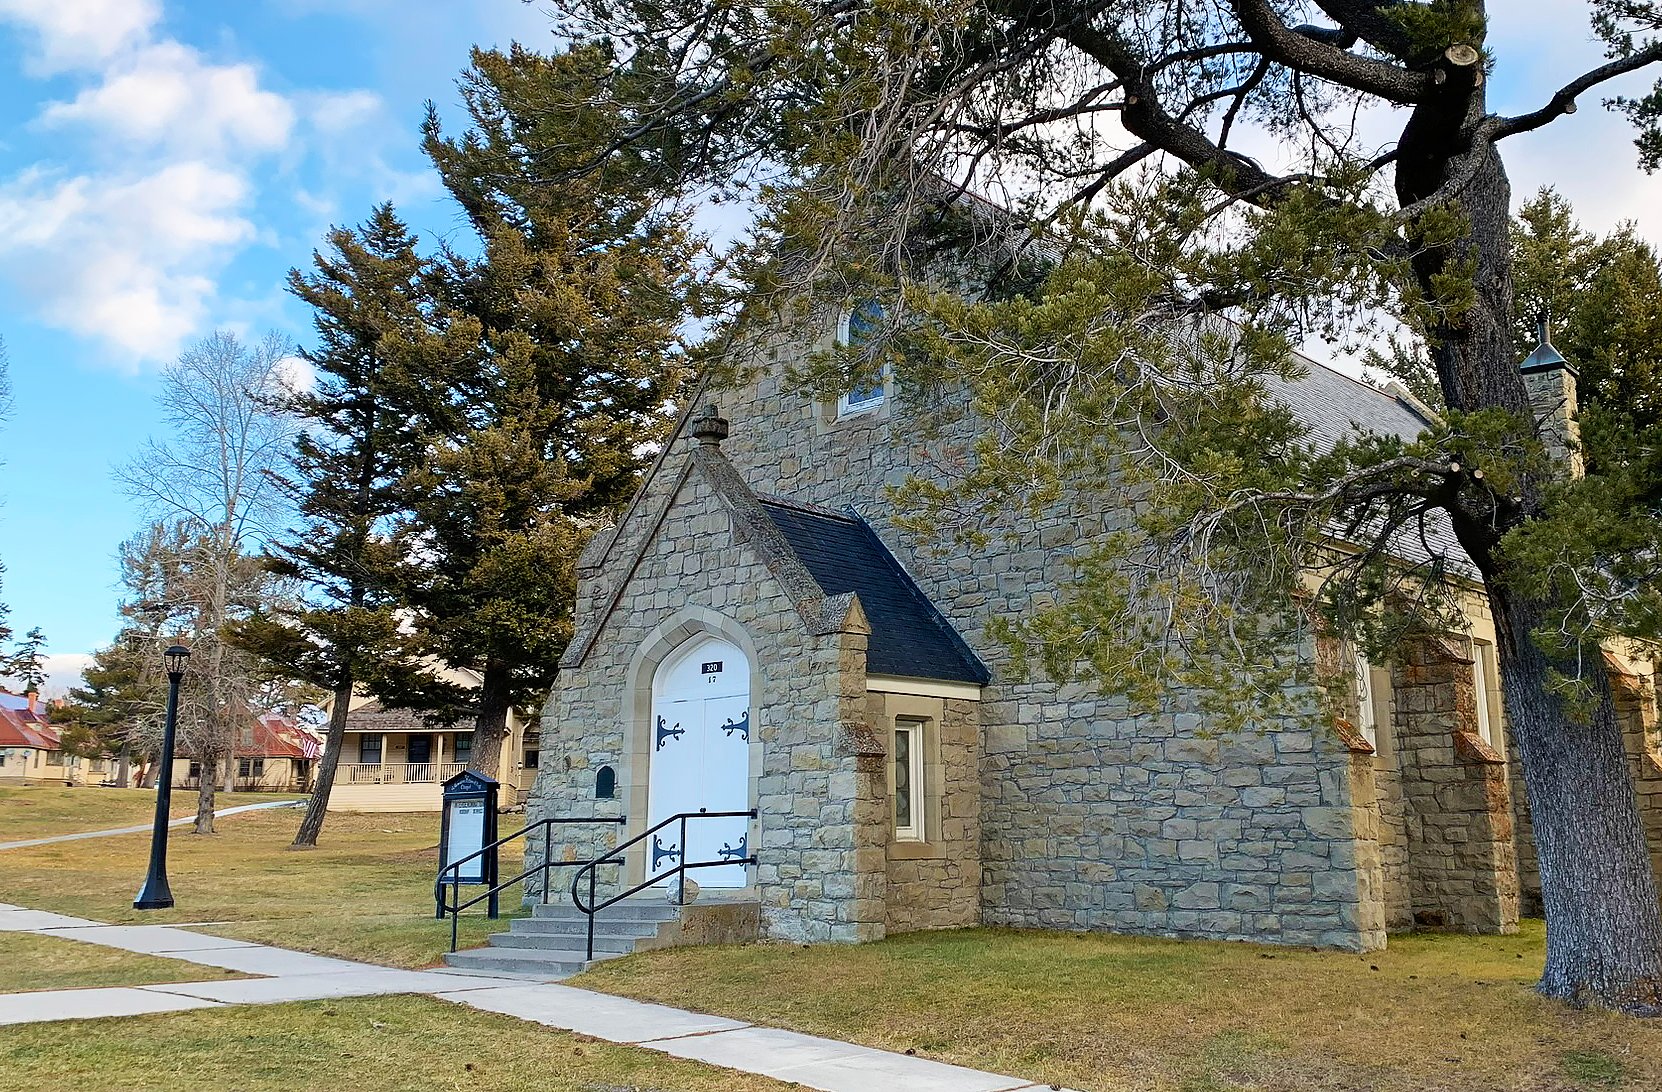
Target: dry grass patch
[
  {"x": 44, "y": 811},
  {"x": 367, "y": 1045},
  {"x": 365, "y": 893},
  {"x": 29, "y": 961},
  {"x": 1118, "y": 1013}
]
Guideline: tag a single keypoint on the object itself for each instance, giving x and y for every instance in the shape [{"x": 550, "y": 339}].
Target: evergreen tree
[
  {"x": 578, "y": 293},
  {"x": 28, "y": 663},
  {"x": 121, "y": 699},
  {"x": 382, "y": 359}
]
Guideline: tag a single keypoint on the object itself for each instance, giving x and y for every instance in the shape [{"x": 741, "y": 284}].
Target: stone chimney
[
  {"x": 34, "y": 702},
  {"x": 1550, "y": 381}
]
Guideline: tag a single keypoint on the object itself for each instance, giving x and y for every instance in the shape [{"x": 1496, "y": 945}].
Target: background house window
[
  {"x": 421, "y": 748},
  {"x": 195, "y": 769},
  {"x": 250, "y": 767},
  {"x": 859, "y": 327},
  {"x": 1480, "y": 686},
  {"x": 1367, "y": 721},
  {"x": 531, "y": 758},
  {"x": 369, "y": 749},
  {"x": 908, "y": 781},
  {"x": 464, "y": 747}
]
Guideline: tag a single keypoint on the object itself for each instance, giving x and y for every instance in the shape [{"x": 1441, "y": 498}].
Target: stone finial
[{"x": 709, "y": 427}]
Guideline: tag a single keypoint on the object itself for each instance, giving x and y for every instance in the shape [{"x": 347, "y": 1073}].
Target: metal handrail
[
  {"x": 455, "y": 906},
  {"x": 679, "y": 871}
]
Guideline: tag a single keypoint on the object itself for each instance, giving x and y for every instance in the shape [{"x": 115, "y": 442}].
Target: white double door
[{"x": 699, "y": 761}]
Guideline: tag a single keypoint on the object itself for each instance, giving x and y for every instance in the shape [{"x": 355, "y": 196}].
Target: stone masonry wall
[
  {"x": 1461, "y": 867},
  {"x": 936, "y": 883},
  {"x": 805, "y": 691},
  {"x": 1091, "y": 817}
]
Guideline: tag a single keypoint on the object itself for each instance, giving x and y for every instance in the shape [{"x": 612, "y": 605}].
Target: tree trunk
[
  {"x": 491, "y": 725},
  {"x": 318, "y": 806},
  {"x": 123, "y": 765},
  {"x": 205, "y": 797},
  {"x": 1604, "y": 924},
  {"x": 1604, "y": 928}
]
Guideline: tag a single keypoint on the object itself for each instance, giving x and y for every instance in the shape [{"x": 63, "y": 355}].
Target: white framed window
[
  {"x": 859, "y": 325},
  {"x": 1367, "y": 719},
  {"x": 1480, "y": 688},
  {"x": 908, "y": 781}
]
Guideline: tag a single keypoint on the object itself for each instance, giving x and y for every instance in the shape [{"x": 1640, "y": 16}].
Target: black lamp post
[{"x": 155, "y": 895}]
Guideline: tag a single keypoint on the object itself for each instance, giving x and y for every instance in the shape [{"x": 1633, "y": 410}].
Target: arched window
[
  {"x": 859, "y": 326},
  {"x": 605, "y": 783}
]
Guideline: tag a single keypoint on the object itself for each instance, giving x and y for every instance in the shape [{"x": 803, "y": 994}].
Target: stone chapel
[{"x": 755, "y": 633}]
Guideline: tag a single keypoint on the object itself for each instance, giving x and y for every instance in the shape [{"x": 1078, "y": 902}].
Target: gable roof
[
  {"x": 18, "y": 728},
  {"x": 909, "y": 637}
]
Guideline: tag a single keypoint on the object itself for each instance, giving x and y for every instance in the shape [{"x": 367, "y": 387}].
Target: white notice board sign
[{"x": 467, "y": 835}]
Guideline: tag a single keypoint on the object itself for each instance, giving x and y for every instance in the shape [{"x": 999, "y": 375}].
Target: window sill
[{"x": 909, "y": 850}]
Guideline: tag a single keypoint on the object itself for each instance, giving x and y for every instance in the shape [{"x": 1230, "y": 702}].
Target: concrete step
[
  {"x": 580, "y": 927},
  {"x": 627, "y": 910},
  {"x": 564, "y": 942},
  {"x": 544, "y": 963}
]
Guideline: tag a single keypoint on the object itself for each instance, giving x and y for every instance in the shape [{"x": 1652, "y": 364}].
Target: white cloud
[
  {"x": 128, "y": 260},
  {"x": 166, "y": 95},
  {"x": 159, "y": 155},
  {"x": 63, "y": 670},
  {"x": 71, "y": 34},
  {"x": 344, "y": 111}
]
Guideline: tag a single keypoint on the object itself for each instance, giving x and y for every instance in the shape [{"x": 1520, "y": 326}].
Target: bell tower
[{"x": 1551, "y": 383}]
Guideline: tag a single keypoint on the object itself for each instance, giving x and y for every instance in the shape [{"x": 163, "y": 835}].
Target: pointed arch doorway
[{"x": 698, "y": 753}]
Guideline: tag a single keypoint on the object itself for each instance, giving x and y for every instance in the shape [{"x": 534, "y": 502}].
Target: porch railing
[{"x": 397, "y": 773}]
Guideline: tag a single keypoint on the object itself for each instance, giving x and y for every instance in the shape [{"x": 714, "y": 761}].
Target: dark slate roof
[{"x": 909, "y": 637}]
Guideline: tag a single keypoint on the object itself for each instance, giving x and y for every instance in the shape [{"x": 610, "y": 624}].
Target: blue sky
[{"x": 164, "y": 162}]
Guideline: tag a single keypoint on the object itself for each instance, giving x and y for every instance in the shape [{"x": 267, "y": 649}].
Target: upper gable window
[{"x": 859, "y": 326}]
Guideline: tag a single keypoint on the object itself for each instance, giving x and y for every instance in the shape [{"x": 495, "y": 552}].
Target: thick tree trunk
[
  {"x": 1604, "y": 930},
  {"x": 318, "y": 806},
  {"x": 1604, "y": 924},
  {"x": 124, "y": 765},
  {"x": 491, "y": 725}
]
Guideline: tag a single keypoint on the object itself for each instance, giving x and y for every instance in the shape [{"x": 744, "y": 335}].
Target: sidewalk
[
  {"x": 824, "y": 1064},
  {"x": 181, "y": 821}
]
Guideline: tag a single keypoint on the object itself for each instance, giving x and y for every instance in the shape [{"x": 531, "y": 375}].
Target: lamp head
[{"x": 175, "y": 658}]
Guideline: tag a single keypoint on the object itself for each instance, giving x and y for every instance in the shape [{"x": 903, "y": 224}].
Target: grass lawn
[
  {"x": 32, "y": 962},
  {"x": 365, "y": 893},
  {"x": 1116, "y": 1013},
  {"x": 368, "y": 1045},
  {"x": 41, "y": 811}
]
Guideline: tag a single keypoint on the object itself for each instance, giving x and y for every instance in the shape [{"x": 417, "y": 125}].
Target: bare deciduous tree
[{"x": 210, "y": 483}]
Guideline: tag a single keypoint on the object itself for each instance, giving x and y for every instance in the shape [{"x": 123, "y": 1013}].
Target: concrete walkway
[
  {"x": 179, "y": 822},
  {"x": 812, "y": 1062}
]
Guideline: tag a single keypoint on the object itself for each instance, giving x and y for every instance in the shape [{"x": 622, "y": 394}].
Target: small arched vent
[{"x": 605, "y": 783}]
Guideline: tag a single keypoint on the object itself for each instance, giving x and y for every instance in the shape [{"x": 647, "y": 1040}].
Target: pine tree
[
  {"x": 381, "y": 361},
  {"x": 120, "y": 701},
  {"x": 28, "y": 663},
  {"x": 578, "y": 294}
]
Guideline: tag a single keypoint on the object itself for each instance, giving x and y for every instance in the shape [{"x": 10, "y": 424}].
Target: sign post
[{"x": 467, "y": 827}]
